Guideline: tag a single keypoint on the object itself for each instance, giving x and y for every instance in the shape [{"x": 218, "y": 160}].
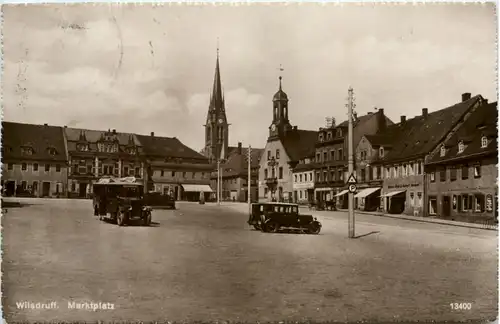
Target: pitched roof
[
  {"x": 167, "y": 147},
  {"x": 306, "y": 166},
  {"x": 237, "y": 164},
  {"x": 482, "y": 122},
  {"x": 360, "y": 119},
  {"x": 299, "y": 143},
  {"x": 420, "y": 135},
  {"x": 93, "y": 136},
  {"x": 40, "y": 138},
  {"x": 379, "y": 139}
]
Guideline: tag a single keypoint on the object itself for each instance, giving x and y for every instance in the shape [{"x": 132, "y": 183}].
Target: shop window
[
  {"x": 432, "y": 176},
  {"x": 419, "y": 199},
  {"x": 479, "y": 203},
  {"x": 454, "y": 202},
  {"x": 465, "y": 203},
  {"x": 412, "y": 199},
  {"x": 465, "y": 172}
]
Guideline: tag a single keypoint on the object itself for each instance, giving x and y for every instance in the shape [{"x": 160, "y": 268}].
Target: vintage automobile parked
[
  {"x": 122, "y": 199},
  {"x": 273, "y": 217},
  {"x": 157, "y": 200}
]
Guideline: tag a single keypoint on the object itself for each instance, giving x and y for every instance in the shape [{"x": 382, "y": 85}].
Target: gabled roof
[
  {"x": 482, "y": 122},
  {"x": 75, "y": 135},
  {"x": 299, "y": 143},
  {"x": 41, "y": 138},
  {"x": 419, "y": 136},
  {"x": 360, "y": 119},
  {"x": 237, "y": 164},
  {"x": 306, "y": 166},
  {"x": 378, "y": 140},
  {"x": 167, "y": 147}
]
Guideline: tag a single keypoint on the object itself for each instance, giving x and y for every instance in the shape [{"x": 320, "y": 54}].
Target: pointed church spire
[{"x": 216, "y": 100}]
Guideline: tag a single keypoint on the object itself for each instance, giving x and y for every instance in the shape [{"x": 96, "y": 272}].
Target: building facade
[
  {"x": 332, "y": 158},
  {"x": 286, "y": 146},
  {"x": 174, "y": 169},
  {"x": 404, "y": 150},
  {"x": 34, "y": 160},
  {"x": 93, "y": 154},
  {"x": 463, "y": 171},
  {"x": 303, "y": 181}
]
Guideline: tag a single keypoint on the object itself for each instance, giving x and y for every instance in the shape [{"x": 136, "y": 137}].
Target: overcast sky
[{"x": 144, "y": 68}]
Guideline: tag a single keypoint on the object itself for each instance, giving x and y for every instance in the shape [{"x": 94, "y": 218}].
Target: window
[
  {"x": 405, "y": 170},
  {"x": 442, "y": 175},
  {"x": 454, "y": 202},
  {"x": 317, "y": 177},
  {"x": 277, "y": 154},
  {"x": 453, "y": 173},
  {"x": 465, "y": 202},
  {"x": 27, "y": 150},
  {"x": 420, "y": 168},
  {"x": 193, "y": 175},
  {"x": 396, "y": 171},
  {"x": 465, "y": 172},
  {"x": 332, "y": 155},
  {"x": 477, "y": 171},
  {"x": 183, "y": 175},
  {"x": 311, "y": 176},
  {"x": 363, "y": 175},
  {"x": 325, "y": 176},
  {"x": 461, "y": 147},
  {"x": 125, "y": 171},
  {"x": 433, "y": 176},
  {"x": 265, "y": 174},
  {"x": 300, "y": 194},
  {"x": 325, "y": 157},
  {"x": 387, "y": 173},
  {"x": 52, "y": 151},
  {"x": 411, "y": 169},
  {"x": 419, "y": 199},
  {"x": 24, "y": 166},
  {"x": 58, "y": 168},
  {"x": 162, "y": 173},
  {"x": 484, "y": 142},
  {"x": 295, "y": 178},
  {"x": 318, "y": 157},
  {"x": 332, "y": 175},
  {"x": 280, "y": 172},
  {"x": 381, "y": 152},
  {"x": 341, "y": 155},
  {"x": 47, "y": 167},
  {"x": 329, "y": 136},
  {"x": 269, "y": 155},
  {"x": 479, "y": 203},
  {"x": 89, "y": 169},
  {"x": 24, "y": 185},
  {"x": 173, "y": 174},
  {"x": 10, "y": 166},
  {"x": 432, "y": 205},
  {"x": 321, "y": 137},
  {"x": 443, "y": 151},
  {"x": 300, "y": 177},
  {"x": 412, "y": 199},
  {"x": 35, "y": 166},
  {"x": 340, "y": 175}
]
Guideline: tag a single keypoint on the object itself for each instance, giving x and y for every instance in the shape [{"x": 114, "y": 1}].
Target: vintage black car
[
  {"x": 158, "y": 200},
  {"x": 273, "y": 217},
  {"x": 122, "y": 199}
]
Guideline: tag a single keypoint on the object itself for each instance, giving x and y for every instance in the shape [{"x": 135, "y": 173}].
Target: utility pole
[
  {"x": 350, "y": 107},
  {"x": 218, "y": 181},
  {"x": 249, "y": 178}
]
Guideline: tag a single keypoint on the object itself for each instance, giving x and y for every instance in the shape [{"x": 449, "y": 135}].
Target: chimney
[
  {"x": 65, "y": 126},
  {"x": 239, "y": 148},
  {"x": 45, "y": 124},
  {"x": 485, "y": 101},
  {"x": 466, "y": 96},
  {"x": 294, "y": 127},
  {"x": 114, "y": 131},
  {"x": 425, "y": 112},
  {"x": 152, "y": 134},
  {"x": 382, "y": 121},
  {"x": 403, "y": 119}
]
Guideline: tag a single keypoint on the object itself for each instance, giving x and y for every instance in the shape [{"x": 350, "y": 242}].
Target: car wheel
[
  {"x": 147, "y": 219},
  {"x": 314, "y": 229},
  {"x": 257, "y": 227},
  {"x": 272, "y": 227},
  {"x": 122, "y": 219}
]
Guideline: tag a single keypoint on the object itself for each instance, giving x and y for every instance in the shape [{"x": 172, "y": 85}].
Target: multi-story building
[
  {"x": 331, "y": 154},
  {"x": 34, "y": 160},
  {"x": 175, "y": 169},
  {"x": 93, "y": 154},
  {"x": 405, "y": 148},
  {"x": 463, "y": 170},
  {"x": 234, "y": 174},
  {"x": 285, "y": 147},
  {"x": 303, "y": 181}
]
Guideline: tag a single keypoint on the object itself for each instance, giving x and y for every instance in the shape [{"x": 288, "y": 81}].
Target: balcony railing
[{"x": 271, "y": 181}]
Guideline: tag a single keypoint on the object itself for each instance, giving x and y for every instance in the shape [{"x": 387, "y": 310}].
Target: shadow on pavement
[
  {"x": 132, "y": 223},
  {"x": 370, "y": 233},
  {"x": 14, "y": 204}
]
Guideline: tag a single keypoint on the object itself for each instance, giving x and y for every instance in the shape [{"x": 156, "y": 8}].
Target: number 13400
[{"x": 461, "y": 306}]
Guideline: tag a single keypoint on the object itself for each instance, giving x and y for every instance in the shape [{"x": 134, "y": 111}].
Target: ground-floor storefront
[
  {"x": 34, "y": 188},
  {"x": 187, "y": 192},
  {"x": 303, "y": 193},
  {"x": 367, "y": 199},
  {"x": 475, "y": 205}
]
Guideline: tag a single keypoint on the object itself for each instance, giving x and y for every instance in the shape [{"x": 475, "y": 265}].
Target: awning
[
  {"x": 392, "y": 193},
  {"x": 323, "y": 189},
  {"x": 343, "y": 192},
  {"x": 196, "y": 188},
  {"x": 366, "y": 192}
]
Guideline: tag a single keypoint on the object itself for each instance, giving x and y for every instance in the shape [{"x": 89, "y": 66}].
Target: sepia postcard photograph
[{"x": 249, "y": 162}]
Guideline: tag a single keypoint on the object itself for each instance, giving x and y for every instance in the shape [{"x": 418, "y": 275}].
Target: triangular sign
[{"x": 351, "y": 179}]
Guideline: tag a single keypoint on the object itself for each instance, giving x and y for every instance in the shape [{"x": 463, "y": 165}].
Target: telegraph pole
[
  {"x": 351, "y": 181},
  {"x": 249, "y": 178}
]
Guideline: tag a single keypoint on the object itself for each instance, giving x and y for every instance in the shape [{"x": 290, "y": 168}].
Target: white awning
[
  {"x": 343, "y": 192},
  {"x": 323, "y": 189},
  {"x": 196, "y": 188},
  {"x": 392, "y": 193},
  {"x": 366, "y": 192}
]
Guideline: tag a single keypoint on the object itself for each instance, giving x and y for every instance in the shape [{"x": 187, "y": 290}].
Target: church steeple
[
  {"x": 280, "y": 123},
  {"x": 216, "y": 127}
]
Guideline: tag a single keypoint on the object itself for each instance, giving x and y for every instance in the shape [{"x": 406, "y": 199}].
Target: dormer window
[
  {"x": 321, "y": 137},
  {"x": 484, "y": 142},
  {"x": 131, "y": 150},
  {"x": 443, "y": 151},
  {"x": 329, "y": 136},
  {"x": 381, "y": 152},
  {"x": 52, "y": 151},
  {"x": 83, "y": 147},
  {"x": 461, "y": 147},
  {"x": 27, "y": 150},
  {"x": 339, "y": 132}
]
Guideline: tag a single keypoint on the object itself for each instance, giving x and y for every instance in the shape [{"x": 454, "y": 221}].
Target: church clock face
[
  {"x": 273, "y": 127},
  {"x": 221, "y": 120}
]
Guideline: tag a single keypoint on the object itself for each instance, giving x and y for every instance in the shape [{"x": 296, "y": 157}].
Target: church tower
[
  {"x": 216, "y": 126},
  {"x": 280, "y": 124}
]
